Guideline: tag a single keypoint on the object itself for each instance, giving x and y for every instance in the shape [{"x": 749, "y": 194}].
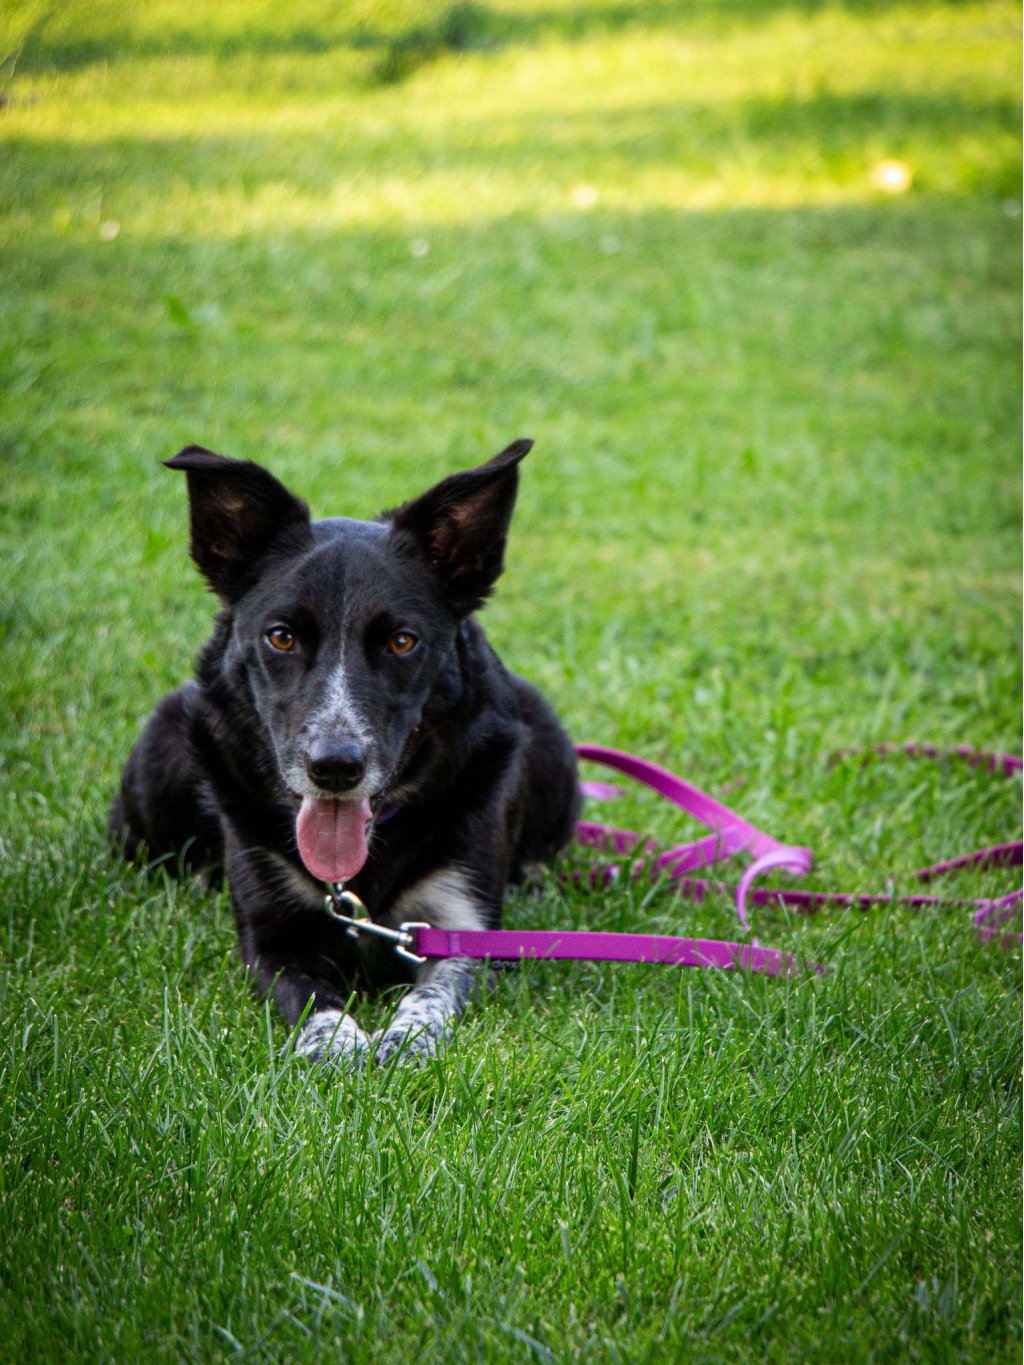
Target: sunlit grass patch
[{"x": 785, "y": 110}]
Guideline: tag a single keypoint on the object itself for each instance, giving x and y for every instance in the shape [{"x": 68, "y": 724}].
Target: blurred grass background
[{"x": 749, "y": 275}]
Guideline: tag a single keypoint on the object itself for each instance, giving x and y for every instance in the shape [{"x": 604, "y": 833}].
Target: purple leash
[
  {"x": 736, "y": 833},
  {"x": 730, "y": 834},
  {"x": 582, "y": 946}
]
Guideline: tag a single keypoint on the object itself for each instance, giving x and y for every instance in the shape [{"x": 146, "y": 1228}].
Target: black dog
[{"x": 349, "y": 723}]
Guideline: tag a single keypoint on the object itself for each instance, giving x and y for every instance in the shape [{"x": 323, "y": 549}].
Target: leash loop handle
[
  {"x": 731, "y": 832},
  {"x": 788, "y": 858},
  {"x": 734, "y": 834}
]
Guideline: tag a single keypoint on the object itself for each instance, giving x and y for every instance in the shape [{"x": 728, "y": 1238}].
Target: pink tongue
[{"x": 332, "y": 837}]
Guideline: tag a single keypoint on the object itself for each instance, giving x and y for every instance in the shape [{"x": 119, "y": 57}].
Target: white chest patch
[{"x": 444, "y": 898}]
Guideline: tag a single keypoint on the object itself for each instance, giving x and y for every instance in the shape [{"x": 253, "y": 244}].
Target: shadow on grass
[{"x": 398, "y": 49}]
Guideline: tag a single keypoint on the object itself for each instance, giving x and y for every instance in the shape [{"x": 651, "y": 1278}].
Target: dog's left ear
[{"x": 460, "y": 526}]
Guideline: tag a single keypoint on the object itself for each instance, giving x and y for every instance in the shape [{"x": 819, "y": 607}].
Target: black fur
[{"x": 466, "y": 768}]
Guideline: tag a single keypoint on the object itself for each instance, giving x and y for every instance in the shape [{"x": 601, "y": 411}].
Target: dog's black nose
[{"x": 336, "y": 765}]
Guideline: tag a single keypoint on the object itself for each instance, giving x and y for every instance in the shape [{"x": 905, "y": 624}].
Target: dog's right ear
[{"x": 237, "y": 511}]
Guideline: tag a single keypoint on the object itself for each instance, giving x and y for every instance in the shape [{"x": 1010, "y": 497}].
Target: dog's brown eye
[
  {"x": 281, "y": 638},
  {"x": 402, "y": 642}
]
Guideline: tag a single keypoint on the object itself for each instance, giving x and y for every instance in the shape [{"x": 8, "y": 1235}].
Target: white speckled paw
[
  {"x": 331, "y": 1036},
  {"x": 412, "y": 1046}
]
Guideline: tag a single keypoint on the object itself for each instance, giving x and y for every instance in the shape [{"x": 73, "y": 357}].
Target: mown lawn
[{"x": 773, "y": 511}]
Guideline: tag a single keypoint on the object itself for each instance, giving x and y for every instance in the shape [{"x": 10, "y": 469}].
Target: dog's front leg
[
  {"x": 426, "y": 1016},
  {"x": 289, "y": 946},
  {"x": 328, "y": 1033}
]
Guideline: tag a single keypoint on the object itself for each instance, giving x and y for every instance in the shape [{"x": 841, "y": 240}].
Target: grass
[{"x": 773, "y": 511}]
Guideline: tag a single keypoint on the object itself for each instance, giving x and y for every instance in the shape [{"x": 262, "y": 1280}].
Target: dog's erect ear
[
  {"x": 237, "y": 510},
  {"x": 460, "y": 525}
]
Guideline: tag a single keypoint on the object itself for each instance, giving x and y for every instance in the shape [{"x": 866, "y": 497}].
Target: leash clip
[
  {"x": 346, "y": 907},
  {"x": 404, "y": 949}
]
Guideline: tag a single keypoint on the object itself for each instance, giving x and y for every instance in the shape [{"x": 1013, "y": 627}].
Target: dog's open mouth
[{"x": 332, "y": 836}]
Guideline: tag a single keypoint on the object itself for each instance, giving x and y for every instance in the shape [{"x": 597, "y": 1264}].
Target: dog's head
[{"x": 340, "y": 631}]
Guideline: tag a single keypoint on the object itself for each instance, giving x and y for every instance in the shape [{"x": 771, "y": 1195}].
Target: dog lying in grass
[{"x": 349, "y": 723}]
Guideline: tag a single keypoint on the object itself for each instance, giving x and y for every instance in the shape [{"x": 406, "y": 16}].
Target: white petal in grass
[
  {"x": 584, "y": 196},
  {"x": 419, "y": 247}
]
